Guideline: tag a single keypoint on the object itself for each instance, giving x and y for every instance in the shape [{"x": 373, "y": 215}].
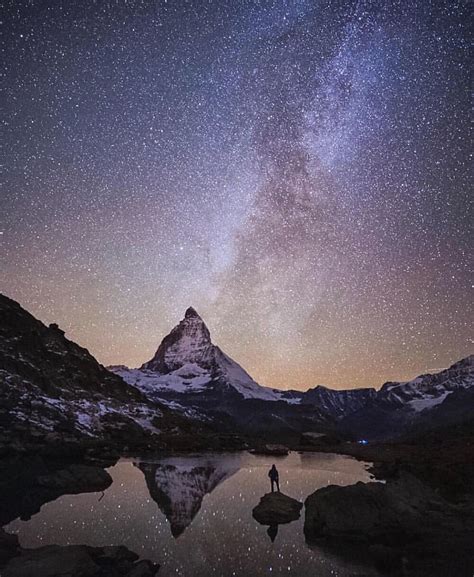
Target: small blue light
[{"x": 363, "y": 442}]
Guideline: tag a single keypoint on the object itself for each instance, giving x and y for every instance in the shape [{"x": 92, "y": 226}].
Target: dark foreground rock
[
  {"x": 9, "y": 546},
  {"x": 78, "y": 561},
  {"x": 276, "y": 509},
  {"x": 27, "y": 483},
  {"x": 402, "y": 524}
]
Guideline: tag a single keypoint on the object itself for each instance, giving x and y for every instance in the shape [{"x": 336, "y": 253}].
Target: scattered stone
[
  {"x": 274, "y": 450},
  {"x": 277, "y": 508}
]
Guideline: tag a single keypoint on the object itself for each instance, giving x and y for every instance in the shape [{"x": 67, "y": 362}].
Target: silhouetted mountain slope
[{"x": 52, "y": 386}]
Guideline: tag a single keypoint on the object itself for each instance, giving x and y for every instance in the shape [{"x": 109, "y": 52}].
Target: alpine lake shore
[{"x": 419, "y": 521}]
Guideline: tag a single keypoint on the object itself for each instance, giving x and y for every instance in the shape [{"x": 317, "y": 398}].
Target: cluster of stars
[{"x": 296, "y": 171}]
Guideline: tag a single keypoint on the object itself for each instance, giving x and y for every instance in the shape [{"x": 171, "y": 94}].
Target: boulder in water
[{"x": 277, "y": 508}]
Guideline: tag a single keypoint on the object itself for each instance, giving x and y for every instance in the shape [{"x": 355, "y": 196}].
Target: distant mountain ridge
[
  {"x": 51, "y": 388},
  {"x": 189, "y": 370},
  {"x": 400, "y": 407}
]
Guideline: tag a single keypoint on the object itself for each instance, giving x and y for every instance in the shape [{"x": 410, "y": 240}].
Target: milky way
[{"x": 296, "y": 171}]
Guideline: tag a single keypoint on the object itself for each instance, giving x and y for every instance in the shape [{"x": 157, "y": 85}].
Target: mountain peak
[
  {"x": 189, "y": 354},
  {"x": 191, "y": 313},
  {"x": 188, "y": 342}
]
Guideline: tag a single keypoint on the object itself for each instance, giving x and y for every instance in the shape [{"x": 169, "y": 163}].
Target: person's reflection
[{"x": 272, "y": 532}]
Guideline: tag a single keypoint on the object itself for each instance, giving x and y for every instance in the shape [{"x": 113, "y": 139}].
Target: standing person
[{"x": 274, "y": 478}]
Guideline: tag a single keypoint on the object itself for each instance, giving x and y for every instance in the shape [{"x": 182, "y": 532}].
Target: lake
[{"x": 193, "y": 515}]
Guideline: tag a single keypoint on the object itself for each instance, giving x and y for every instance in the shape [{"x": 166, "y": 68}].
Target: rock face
[
  {"x": 277, "y": 509},
  {"x": 35, "y": 356},
  {"x": 189, "y": 342},
  {"x": 403, "y": 526},
  {"x": 372, "y": 512}
]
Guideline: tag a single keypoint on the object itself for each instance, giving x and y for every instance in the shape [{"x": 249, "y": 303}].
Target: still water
[{"x": 193, "y": 515}]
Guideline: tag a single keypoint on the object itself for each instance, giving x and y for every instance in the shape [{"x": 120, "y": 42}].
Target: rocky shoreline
[{"x": 406, "y": 526}]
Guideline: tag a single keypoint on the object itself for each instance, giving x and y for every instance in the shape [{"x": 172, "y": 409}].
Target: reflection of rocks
[
  {"x": 179, "y": 486},
  {"x": 27, "y": 483},
  {"x": 77, "y": 479},
  {"x": 277, "y": 508},
  {"x": 402, "y": 523},
  {"x": 272, "y": 532},
  {"x": 80, "y": 560}
]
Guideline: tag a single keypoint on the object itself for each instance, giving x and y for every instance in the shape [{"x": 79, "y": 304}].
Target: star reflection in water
[{"x": 193, "y": 515}]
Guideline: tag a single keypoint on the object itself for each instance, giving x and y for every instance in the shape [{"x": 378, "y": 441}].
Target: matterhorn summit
[
  {"x": 188, "y": 342},
  {"x": 188, "y": 362}
]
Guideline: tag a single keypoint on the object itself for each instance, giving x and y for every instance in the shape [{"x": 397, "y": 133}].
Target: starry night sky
[{"x": 296, "y": 171}]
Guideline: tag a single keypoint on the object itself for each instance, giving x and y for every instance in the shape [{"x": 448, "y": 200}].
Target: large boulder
[
  {"x": 277, "y": 508},
  {"x": 375, "y": 512},
  {"x": 360, "y": 511}
]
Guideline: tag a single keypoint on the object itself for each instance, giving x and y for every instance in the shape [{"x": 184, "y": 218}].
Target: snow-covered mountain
[
  {"x": 189, "y": 372},
  {"x": 51, "y": 388},
  {"x": 178, "y": 485},
  {"x": 427, "y": 391},
  {"x": 399, "y": 407},
  {"x": 423, "y": 392},
  {"x": 188, "y": 362}
]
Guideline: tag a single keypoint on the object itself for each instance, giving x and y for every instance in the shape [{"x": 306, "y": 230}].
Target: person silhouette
[{"x": 274, "y": 478}]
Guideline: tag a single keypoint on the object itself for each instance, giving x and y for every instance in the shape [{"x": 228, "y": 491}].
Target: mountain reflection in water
[
  {"x": 179, "y": 485},
  {"x": 193, "y": 515}
]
